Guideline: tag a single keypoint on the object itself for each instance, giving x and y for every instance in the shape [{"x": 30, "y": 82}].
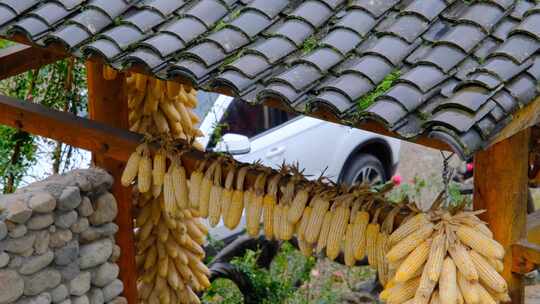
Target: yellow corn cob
[
  {"x": 413, "y": 261},
  {"x": 237, "y": 202},
  {"x": 180, "y": 185},
  {"x": 323, "y": 236},
  {"x": 298, "y": 204},
  {"x": 158, "y": 88},
  {"x": 132, "y": 167},
  {"x": 484, "y": 229},
  {"x": 143, "y": 216},
  {"x": 372, "y": 233},
  {"x": 169, "y": 110},
  {"x": 305, "y": 248},
  {"x": 254, "y": 209},
  {"x": 173, "y": 88},
  {"x": 487, "y": 274},
  {"x": 194, "y": 118},
  {"x": 435, "y": 298},
  {"x": 480, "y": 242},
  {"x": 226, "y": 194},
  {"x": 425, "y": 288},
  {"x": 448, "y": 283},
  {"x": 214, "y": 205},
  {"x": 195, "y": 186},
  {"x": 287, "y": 228},
  {"x": 151, "y": 104},
  {"x": 382, "y": 264},
  {"x": 483, "y": 294},
  {"x": 405, "y": 246},
  {"x": 206, "y": 188},
  {"x": 319, "y": 208},
  {"x": 158, "y": 170},
  {"x": 468, "y": 289},
  {"x": 402, "y": 292},
  {"x": 163, "y": 267},
  {"x": 163, "y": 232},
  {"x": 302, "y": 225},
  {"x": 463, "y": 261},
  {"x": 194, "y": 232},
  {"x": 436, "y": 257},
  {"x": 160, "y": 122},
  {"x": 144, "y": 177},
  {"x": 496, "y": 264},
  {"x": 348, "y": 253},
  {"x": 408, "y": 228},
  {"x": 168, "y": 194},
  {"x": 185, "y": 119},
  {"x": 140, "y": 82},
  {"x": 337, "y": 230},
  {"x": 359, "y": 231}
]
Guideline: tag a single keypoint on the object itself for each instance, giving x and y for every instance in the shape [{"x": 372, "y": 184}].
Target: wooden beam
[
  {"x": 526, "y": 257},
  {"x": 67, "y": 128},
  {"x": 107, "y": 103},
  {"x": 500, "y": 187},
  {"x": 523, "y": 118},
  {"x": 20, "y": 58}
]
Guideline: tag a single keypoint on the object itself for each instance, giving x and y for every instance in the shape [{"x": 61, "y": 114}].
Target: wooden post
[
  {"x": 107, "y": 103},
  {"x": 500, "y": 187}
]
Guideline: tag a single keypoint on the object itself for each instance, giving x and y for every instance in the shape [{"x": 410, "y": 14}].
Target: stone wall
[{"x": 57, "y": 242}]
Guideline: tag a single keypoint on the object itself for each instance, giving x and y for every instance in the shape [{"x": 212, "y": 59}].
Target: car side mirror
[{"x": 234, "y": 144}]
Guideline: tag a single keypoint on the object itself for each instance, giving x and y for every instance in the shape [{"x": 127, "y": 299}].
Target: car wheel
[{"x": 364, "y": 168}]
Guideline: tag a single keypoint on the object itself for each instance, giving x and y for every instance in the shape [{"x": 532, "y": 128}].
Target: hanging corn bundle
[{"x": 445, "y": 258}]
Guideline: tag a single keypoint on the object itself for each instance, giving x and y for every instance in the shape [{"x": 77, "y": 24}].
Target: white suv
[{"x": 252, "y": 133}]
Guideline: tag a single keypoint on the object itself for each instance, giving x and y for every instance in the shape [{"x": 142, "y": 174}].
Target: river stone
[
  {"x": 118, "y": 300},
  {"x": 66, "y": 219},
  {"x": 85, "y": 208},
  {"x": 69, "y": 199},
  {"x": 41, "y": 244},
  {"x": 60, "y": 293},
  {"x": 36, "y": 263},
  {"x": 67, "y": 254},
  {"x": 42, "y": 202},
  {"x": 80, "y": 226},
  {"x": 105, "y": 209},
  {"x": 42, "y": 298},
  {"x": 80, "y": 300},
  {"x": 60, "y": 237},
  {"x": 94, "y": 233},
  {"x": 4, "y": 259},
  {"x": 18, "y": 231},
  {"x": 17, "y": 211},
  {"x": 70, "y": 271},
  {"x": 41, "y": 281},
  {"x": 105, "y": 274},
  {"x": 112, "y": 290},
  {"x": 16, "y": 286},
  {"x": 3, "y": 230},
  {"x": 20, "y": 245},
  {"x": 95, "y": 253},
  {"x": 66, "y": 301},
  {"x": 15, "y": 262},
  {"x": 80, "y": 284},
  {"x": 115, "y": 253},
  {"x": 40, "y": 221},
  {"x": 96, "y": 296}
]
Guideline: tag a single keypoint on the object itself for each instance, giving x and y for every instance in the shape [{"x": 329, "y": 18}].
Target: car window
[{"x": 248, "y": 120}]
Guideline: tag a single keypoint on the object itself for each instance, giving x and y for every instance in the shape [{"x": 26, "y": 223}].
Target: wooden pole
[
  {"x": 107, "y": 103},
  {"x": 500, "y": 187}
]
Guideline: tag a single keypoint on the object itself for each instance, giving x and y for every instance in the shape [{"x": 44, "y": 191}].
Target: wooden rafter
[{"x": 19, "y": 58}]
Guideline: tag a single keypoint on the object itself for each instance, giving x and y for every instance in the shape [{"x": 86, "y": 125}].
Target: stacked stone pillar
[{"x": 57, "y": 242}]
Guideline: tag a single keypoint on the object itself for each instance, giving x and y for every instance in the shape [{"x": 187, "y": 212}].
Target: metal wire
[{"x": 447, "y": 172}]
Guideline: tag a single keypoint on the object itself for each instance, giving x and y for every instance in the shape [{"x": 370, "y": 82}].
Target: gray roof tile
[{"x": 464, "y": 67}]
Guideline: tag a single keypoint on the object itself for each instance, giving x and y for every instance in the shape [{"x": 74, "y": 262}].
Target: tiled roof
[{"x": 453, "y": 70}]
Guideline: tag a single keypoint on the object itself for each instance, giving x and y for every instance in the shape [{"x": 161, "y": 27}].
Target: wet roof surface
[{"x": 452, "y": 70}]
